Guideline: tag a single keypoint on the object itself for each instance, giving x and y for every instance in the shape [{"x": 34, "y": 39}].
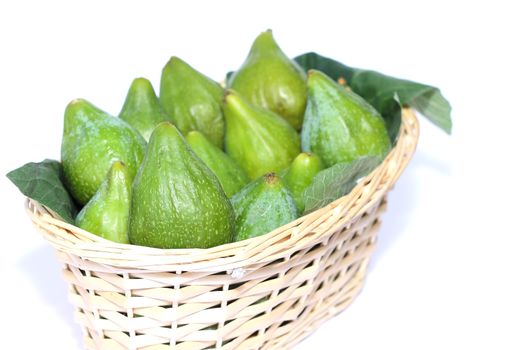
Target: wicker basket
[{"x": 268, "y": 292}]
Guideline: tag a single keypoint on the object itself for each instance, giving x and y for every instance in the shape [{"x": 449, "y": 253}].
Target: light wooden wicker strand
[{"x": 268, "y": 292}]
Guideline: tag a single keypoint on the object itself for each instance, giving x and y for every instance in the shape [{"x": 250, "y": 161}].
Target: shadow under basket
[{"x": 268, "y": 292}]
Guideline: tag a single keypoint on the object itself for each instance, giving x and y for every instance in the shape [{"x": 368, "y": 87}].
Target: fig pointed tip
[
  {"x": 164, "y": 129},
  {"x": 76, "y": 106},
  {"x": 119, "y": 165},
  {"x": 165, "y": 124},
  {"x": 304, "y": 155},
  {"x": 76, "y": 101},
  {"x": 172, "y": 63},
  {"x": 141, "y": 81},
  {"x": 194, "y": 134},
  {"x": 271, "y": 178},
  {"x": 228, "y": 94}
]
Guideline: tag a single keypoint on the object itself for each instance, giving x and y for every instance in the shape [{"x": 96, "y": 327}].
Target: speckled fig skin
[
  {"x": 177, "y": 202},
  {"x": 300, "y": 175},
  {"x": 92, "y": 141},
  {"x": 192, "y": 100},
  {"x": 268, "y": 78},
  {"x": 339, "y": 125},
  {"x": 257, "y": 139},
  {"x": 229, "y": 173},
  {"x": 262, "y": 206},
  {"x": 107, "y": 212},
  {"x": 142, "y": 109}
]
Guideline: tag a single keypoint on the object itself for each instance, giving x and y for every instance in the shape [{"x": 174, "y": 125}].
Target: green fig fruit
[
  {"x": 142, "y": 109},
  {"x": 192, "y": 100},
  {"x": 300, "y": 175},
  {"x": 268, "y": 78},
  {"x": 257, "y": 139},
  {"x": 107, "y": 212},
  {"x": 230, "y": 174},
  {"x": 177, "y": 202},
  {"x": 339, "y": 125},
  {"x": 262, "y": 206},
  {"x": 92, "y": 141}
]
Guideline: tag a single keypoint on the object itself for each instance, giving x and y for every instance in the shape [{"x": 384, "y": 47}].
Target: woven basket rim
[{"x": 73, "y": 240}]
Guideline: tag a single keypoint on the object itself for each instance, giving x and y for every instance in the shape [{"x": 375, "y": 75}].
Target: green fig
[
  {"x": 339, "y": 125},
  {"x": 268, "y": 78},
  {"x": 107, "y": 212},
  {"x": 230, "y": 174},
  {"x": 142, "y": 109},
  {"x": 177, "y": 202},
  {"x": 192, "y": 100},
  {"x": 257, "y": 139},
  {"x": 262, "y": 206},
  {"x": 92, "y": 141},
  {"x": 300, "y": 175}
]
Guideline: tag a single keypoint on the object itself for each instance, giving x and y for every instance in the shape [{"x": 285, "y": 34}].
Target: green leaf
[
  {"x": 43, "y": 182},
  {"x": 336, "y": 181},
  {"x": 385, "y": 93},
  {"x": 228, "y": 76},
  {"x": 435, "y": 107},
  {"x": 330, "y": 67}
]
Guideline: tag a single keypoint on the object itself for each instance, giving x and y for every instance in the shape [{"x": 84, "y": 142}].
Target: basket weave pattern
[{"x": 268, "y": 292}]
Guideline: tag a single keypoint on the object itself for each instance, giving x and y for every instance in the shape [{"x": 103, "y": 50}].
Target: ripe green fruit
[
  {"x": 300, "y": 175},
  {"x": 92, "y": 141},
  {"x": 339, "y": 125},
  {"x": 230, "y": 174},
  {"x": 257, "y": 139},
  {"x": 142, "y": 109},
  {"x": 268, "y": 78},
  {"x": 177, "y": 202},
  {"x": 107, "y": 212},
  {"x": 263, "y": 206},
  {"x": 192, "y": 100}
]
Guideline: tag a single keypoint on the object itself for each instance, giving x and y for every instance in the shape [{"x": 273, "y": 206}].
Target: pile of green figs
[{"x": 202, "y": 165}]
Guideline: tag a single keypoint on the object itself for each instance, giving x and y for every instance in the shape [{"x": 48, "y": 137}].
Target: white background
[{"x": 449, "y": 268}]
